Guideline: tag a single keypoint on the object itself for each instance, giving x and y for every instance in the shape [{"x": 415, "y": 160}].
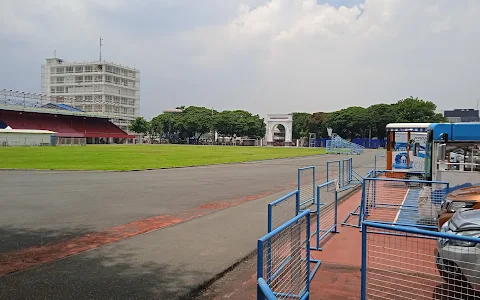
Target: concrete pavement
[{"x": 38, "y": 207}]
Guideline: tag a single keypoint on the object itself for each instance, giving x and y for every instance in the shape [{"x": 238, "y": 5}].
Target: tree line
[
  {"x": 193, "y": 122},
  {"x": 356, "y": 121},
  {"x": 352, "y": 122}
]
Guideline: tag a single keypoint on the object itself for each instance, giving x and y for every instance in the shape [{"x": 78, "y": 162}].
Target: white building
[{"x": 97, "y": 87}]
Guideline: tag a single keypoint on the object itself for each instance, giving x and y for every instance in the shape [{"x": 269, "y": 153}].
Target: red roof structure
[{"x": 65, "y": 125}]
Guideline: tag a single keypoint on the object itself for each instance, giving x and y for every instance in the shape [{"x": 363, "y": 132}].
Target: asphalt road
[{"x": 37, "y": 207}]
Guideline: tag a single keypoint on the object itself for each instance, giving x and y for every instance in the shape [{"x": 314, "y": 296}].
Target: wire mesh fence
[
  {"x": 306, "y": 187},
  {"x": 30, "y": 140},
  {"x": 283, "y": 259},
  {"x": 346, "y": 173},
  {"x": 282, "y": 210},
  {"x": 334, "y": 169},
  {"x": 325, "y": 221},
  {"x": 402, "y": 262},
  {"x": 400, "y": 201},
  {"x": 71, "y": 141}
]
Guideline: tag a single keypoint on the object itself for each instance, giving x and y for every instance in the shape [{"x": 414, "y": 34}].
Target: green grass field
[{"x": 138, "y": 157}]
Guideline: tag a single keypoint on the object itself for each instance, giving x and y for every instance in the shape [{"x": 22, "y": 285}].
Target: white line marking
[{"x": 400, "y": 209}]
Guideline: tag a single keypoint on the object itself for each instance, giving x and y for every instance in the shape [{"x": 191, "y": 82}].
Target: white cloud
[
  {"x": 319, "y": 57},
  {"x": 268, "y": 56}
]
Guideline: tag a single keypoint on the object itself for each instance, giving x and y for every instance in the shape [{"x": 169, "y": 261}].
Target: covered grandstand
[{"x": 69, "y": 123}]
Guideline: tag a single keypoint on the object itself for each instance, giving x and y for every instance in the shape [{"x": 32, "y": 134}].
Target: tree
[
  {"x": 379, "y": 115},
  {"x": 170, "y": 124},
  {"x": 197, "y": 121},
  {"x": 240, "y": 123},
  {"x": 300, "y": 125},
  {"x": 415, "y": 110},
  {"x": 349, "y": 122},
  {"x": 316, "y": 124},
  {"x": 139, "y": 125}
]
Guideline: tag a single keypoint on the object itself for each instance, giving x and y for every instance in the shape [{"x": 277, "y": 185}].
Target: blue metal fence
[
  {"x": 404, "y": 262},
  {"x": 283, "y": 260},
  {"x": 306, "y": 187},
  {"x": 337, "y": 145},
  {"x": 342, "y": 171},
  {"x": 327, "y": 216},
  {"x": 401, "y": 201},
  {"x": 282, "y": 210}
]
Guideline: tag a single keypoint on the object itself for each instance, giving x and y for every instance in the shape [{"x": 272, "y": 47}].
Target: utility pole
[
  {"x": 213, "y": 131},
  {"x": 101, "y": 48}
]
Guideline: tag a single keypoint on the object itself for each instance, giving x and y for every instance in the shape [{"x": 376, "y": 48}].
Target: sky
[{"x": 277, "y": 56}]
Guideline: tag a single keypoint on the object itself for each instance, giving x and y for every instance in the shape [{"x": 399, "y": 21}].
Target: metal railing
[
  {"x": 71, "y": 141},
  {"x": 325, "y": 220},
  {"x": 282, "y": 210},
  {"x": 402, "y": 201},
  {"x": 337, "y": 145},
  {"x": 342, "y": 171},
  {"x": 404, "y": 262},
  {"x": 283, "y": 260},
  {"x": 306, "y": 187}
]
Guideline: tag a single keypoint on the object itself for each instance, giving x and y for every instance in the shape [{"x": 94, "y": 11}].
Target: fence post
[
  {"x": 313, "y": 185},
  {"x": 327, "y": 171},
  {"x": 342, "y": 180},
  {"x": 318, "y": 217},
  {"x": 351, "y": 169},
  {"x": 269, "y": 217},
  {"x": 363, "y": 295},
  {"x": 297, "y": 202},
  {"x": 336, "y": 212},
  {"x": 260, "y": 268},
  {"x": 362, "y": 204},
  {"x": 307, "y": 258}
]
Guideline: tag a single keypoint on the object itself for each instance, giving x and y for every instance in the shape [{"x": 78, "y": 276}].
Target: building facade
[
  {"x": 462, "y": 115},
  {"x": 95, "y": 87}
]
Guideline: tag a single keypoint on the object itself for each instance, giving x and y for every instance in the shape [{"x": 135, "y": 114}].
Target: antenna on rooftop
[
  {"x": 101, "y": 44},
  {"x": 55, "y": 53}
]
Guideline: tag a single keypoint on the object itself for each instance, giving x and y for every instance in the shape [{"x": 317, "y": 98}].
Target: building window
[
  {"x": 88, "y": 98},
  {"x": 60, "y": 79},
  {"x": 68, "y": 69},
  {"x": 78, "y": 79},
  {"x": 108, "y": 98},
  {"x": 88, "y": 108},
  {"x": 69, "y": 89},
  {"x": 60, "y": 70},
  {"x": 98, "y": 108},
  {"x": 60, "y": 89},
  {"x": 53, "y": 70},
  {"x": 124, "y": 101},
  {"x": 116, "y": 99},
  {"x": 116, "y": 109},
  {"x": 52, "y": 90},
  {"x": 108, "y": 78},
  {"x": 79, "y": 98},
  {"x": 88, "y": 69},
  {"x": 89, "y": 78},
  {"x": 79, "y": 69}
]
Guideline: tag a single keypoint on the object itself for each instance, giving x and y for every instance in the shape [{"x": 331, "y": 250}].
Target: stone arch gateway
[{"x": 286, "y": 120}]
